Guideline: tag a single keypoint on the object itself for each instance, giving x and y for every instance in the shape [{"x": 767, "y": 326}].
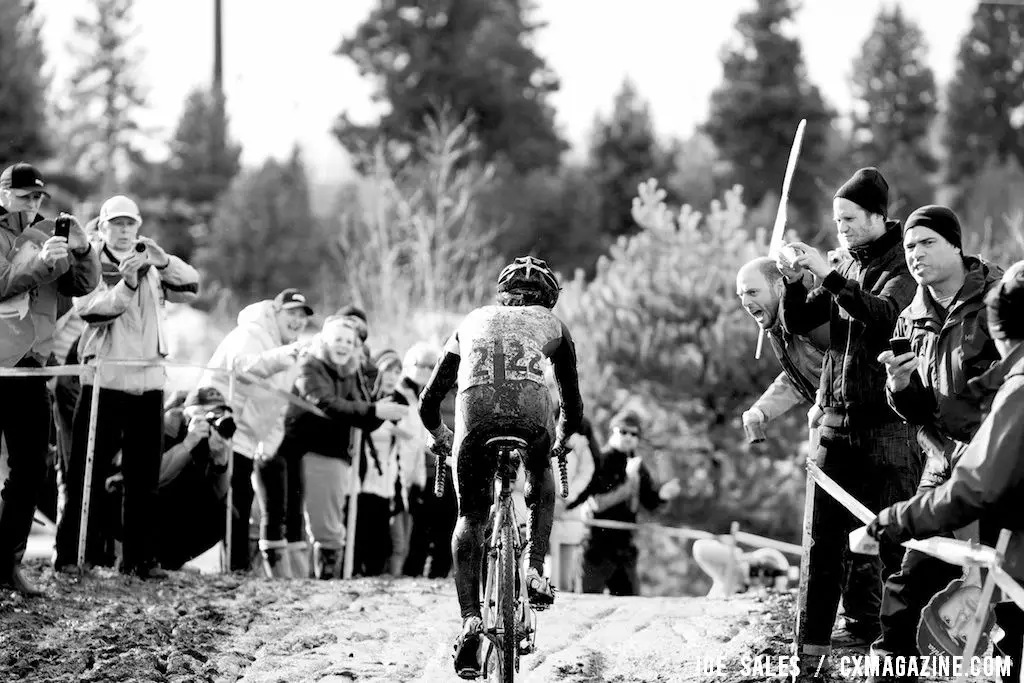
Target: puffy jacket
[
  {"x": 255, "y": 348},
  {"x": 29, "y": 289},
  {"x": 987, "y": 484},
  {"x": 952, "y": 350},
  {"x": 126, "y": 323},
  {"x": 338, "y": 393},
  {"x": 860, "y": 300}
]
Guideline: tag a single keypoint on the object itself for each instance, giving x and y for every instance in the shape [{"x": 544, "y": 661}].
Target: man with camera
[
  {"x": 125, "y": 319},
  {"x": 947, "y": 341},
  {"x": 39, "y": 260}
]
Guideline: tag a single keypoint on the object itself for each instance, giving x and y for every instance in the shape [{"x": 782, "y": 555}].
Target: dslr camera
[{"x": 221, "y": 421}]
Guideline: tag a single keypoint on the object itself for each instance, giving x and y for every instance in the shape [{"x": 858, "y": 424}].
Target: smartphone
[
  {"x": 62, "y": 226},
  {"x": 900, "y": 346}
]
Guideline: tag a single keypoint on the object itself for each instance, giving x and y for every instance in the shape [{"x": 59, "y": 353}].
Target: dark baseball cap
[
  {"x": 205, "y": 396},
  {"x": 292, "y": 298},
  {"x": 22, "y": 176}
]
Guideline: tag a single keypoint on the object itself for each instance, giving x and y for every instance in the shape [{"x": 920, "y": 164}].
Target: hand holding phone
[
  {"x": 62, "y": 226},
  {"x": 900, "y": 346}
]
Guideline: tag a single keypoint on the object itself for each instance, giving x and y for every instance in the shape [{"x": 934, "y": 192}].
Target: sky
[{"x": 284, "y": 85}]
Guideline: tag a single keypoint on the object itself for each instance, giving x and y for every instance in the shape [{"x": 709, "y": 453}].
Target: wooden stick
[{"x": 90, "y": 457}]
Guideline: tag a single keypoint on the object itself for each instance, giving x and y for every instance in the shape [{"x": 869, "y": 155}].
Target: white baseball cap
[{"x": 117, "y": 206}]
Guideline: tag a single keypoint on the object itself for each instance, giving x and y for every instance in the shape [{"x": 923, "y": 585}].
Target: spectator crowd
[
  {"x": 288, "y": 447},
  {"x": 906, "y": 353},
  {"x": 904, "y": 350}
]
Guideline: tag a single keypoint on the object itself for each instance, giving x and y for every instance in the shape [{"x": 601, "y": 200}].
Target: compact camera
[{"x": 222, "y": 422}]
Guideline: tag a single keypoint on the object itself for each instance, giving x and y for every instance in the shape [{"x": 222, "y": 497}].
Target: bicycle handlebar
[{"x": 558, "y": 452}]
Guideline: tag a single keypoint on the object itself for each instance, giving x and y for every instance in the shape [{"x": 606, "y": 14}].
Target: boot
[
  {"x": 11, "y": 578},
  {"x": 298, "y": 556},
  {"x": 325, "y": 562},
  {"x": 275, "y": 559}
]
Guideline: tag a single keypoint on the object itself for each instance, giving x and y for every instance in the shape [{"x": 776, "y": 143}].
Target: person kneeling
[{"x": 192, "y": 497}]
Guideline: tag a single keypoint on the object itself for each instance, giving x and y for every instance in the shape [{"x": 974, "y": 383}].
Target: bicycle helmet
[{"x": 531, "y": 274}]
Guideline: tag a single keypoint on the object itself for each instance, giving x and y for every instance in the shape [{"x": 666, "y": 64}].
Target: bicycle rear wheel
[{"x": 507, "y": 599}]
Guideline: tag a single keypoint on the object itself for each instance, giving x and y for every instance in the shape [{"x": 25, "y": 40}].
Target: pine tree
[
  {"x": 894, "y": 109},
  {"x": 263, "y": 237},
  {"x": 22, "y": 85},
  {"x": 985, "y": 116},
  {"x": 624, "y": 152},
  {"x": 471, "y": 58},
  {"x": 101, "y": 136},
  {"x": 755, "y": 111},
  {"x": 203, "y": 158}
]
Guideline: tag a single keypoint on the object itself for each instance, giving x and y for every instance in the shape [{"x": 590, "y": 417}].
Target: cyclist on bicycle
[{"x": 496, "y": 358}]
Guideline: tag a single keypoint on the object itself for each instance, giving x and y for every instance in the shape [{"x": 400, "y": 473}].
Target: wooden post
[
  {"x": 225, "y": 566},
  {"x": 90, "y": 456},
  {"x": 356, "y": 450},
  {"x": 810, "y": 489}
]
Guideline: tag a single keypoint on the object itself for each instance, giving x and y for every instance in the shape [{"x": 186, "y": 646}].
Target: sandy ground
[{"x": 204, "y": 628}]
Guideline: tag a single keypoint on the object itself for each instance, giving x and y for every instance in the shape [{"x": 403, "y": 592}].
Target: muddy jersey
[
  {"x": 500, "y": 344},
  {"x": 497, "y": 359}
]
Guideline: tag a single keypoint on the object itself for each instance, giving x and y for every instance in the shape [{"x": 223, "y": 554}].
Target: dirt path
[{"x": 211, "y": 629}]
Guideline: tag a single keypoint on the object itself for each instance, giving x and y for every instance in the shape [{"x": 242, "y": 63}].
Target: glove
[
  {"x": 440, "y": 441},
  {"x": 884, "y": 528}
]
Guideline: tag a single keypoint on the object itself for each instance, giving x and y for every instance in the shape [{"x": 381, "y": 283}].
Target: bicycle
[{"x": 505, "y": 608}]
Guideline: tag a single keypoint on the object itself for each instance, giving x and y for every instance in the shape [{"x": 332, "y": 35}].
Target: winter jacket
[
  {"x": 29, "y": 288},
  {"x": 338, "y": 393},
  {"x": 125, "y": 323},
  {"x": 800, "y": 357},
  {"x": 860, "y": 300},
  {"x": 987, "y": 484},
  {"x": 952, "y": 349},
  {"x": 255, "y": 348}
]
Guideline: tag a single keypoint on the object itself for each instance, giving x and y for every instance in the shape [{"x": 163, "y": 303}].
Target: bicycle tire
[{"x": 507, "y": 602}]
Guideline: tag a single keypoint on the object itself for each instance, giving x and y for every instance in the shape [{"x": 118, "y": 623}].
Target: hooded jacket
[
  {"x": 255, "y": 348},
  {"x": 29, "y": 288},
  {"x": 341, "y": 395},
  {"x": 952, "y": 349}
]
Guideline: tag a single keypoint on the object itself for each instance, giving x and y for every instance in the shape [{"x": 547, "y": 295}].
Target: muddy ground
[{"x": 202, "y": 628}]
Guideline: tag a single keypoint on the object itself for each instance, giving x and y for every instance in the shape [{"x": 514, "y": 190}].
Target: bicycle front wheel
[{"x": 507, "y": 599}]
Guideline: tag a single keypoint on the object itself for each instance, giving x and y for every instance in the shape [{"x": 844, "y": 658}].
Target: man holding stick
[
  {"x": 863, "y": 445},
  {"x": 760, "y": 286}
]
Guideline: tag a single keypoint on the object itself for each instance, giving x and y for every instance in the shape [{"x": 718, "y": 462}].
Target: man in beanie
[
  {"x": 37, "y": 268},
  {"x": 620, "y": 484},
  {"x": 987, "y": 482},
  {"x": 928, "y": 387},
  {"x": 863, "y": 445}
]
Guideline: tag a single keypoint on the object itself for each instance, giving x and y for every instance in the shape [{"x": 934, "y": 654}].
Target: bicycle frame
[{"x": 503, "y": 516}]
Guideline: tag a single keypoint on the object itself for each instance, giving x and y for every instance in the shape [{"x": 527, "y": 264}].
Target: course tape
[
  {"x": 685, "y": 532},
  {"x": 89, "y": 370}
]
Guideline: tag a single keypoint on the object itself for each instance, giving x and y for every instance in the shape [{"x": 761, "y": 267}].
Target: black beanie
[
  {"x": 940, "y": 219},
  {"x": 868, "y": 190},
  {"x": 1005, "y": 303}
]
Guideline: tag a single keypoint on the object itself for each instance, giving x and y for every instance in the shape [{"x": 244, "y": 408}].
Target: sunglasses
[{"x": 628, "y": 432}]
